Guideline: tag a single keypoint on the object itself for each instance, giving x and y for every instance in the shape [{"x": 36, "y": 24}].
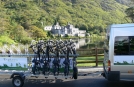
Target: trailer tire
[
  {"x": 17, "y": 81},
  {"x": 75, "y": 73}
]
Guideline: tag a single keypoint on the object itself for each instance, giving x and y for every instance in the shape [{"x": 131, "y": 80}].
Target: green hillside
[
  {"x": 126, "y": 2},
  {"x": 23, "y": 20}
]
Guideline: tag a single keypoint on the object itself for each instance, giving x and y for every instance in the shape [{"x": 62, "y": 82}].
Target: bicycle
[
  {"x": 56, "y": 61},
  {"x": 46, "y": 48},
  {"x": 36, "y": 62}
]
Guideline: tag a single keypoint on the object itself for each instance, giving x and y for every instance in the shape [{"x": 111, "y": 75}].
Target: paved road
[{"x": 91, "y": 80}]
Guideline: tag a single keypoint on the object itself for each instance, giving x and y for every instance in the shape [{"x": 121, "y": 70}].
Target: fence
[{"x": 95, "y": 52}]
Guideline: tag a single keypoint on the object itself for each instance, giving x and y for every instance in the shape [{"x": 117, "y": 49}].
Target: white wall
[{"x": 48, "y": 28}]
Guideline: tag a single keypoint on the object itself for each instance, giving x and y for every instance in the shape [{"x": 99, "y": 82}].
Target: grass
[
  {"x": 88, "y": 64},
  {"x": 79, "y": 59},
  {"x": 89, "y": 58}
]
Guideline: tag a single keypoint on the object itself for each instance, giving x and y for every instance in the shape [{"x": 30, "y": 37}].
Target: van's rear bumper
[{"x": 112, "y": 75}]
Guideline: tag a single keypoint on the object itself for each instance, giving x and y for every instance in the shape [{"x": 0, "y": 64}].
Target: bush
[
  {"x": 26, "y": 40},
  {"x": 1, "y": 44},
  {"x": 66, "y": 35},
  {"x": 6, "y": 40}
]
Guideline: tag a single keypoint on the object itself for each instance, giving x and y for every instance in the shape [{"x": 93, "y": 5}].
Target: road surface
[{"x": 91, "y": 80}]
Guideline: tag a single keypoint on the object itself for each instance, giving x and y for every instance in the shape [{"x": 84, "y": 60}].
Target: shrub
[{"x": 6, "y": 40}]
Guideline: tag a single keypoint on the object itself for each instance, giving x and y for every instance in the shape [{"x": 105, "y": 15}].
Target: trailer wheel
[
  {"x": 17, "y": 81},
  {"x": 75, "y": 73}
]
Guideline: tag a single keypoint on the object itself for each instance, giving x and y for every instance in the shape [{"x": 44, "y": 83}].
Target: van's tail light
[{"x": 109, "y": 65}]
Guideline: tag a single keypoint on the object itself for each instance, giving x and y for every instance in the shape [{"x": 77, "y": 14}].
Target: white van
[{"x": 118, "y": 61}]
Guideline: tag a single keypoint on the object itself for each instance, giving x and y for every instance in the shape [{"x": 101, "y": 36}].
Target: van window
[
  {"x": 124, "y": 45},
  {"x": 131, "y": 45}
]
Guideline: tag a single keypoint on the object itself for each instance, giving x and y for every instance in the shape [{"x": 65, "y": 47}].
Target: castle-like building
[{"x": 65, "y": 30}]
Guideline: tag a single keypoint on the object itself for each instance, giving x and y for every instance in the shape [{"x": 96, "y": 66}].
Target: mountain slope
[
  {"x": 125, "y": 2},
  {"x": 90, "y": 15}
]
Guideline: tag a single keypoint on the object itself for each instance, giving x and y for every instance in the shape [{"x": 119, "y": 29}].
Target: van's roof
[
  {"x": 123, "y": 25},
  {"x": 122, "y": 29}
]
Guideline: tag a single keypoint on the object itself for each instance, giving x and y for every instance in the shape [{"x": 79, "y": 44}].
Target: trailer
[{"x": 42, "y": 64}]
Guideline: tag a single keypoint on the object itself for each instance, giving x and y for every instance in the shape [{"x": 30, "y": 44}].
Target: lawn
[{"x": 79, "y": 59}]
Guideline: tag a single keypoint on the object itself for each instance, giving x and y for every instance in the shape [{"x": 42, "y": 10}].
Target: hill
[
  {"x": 22, "y": 20},
  {"x": 125, "y": 2}
]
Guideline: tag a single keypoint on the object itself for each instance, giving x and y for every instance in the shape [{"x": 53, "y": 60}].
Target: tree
[
  {"x": 11, "y": 64},
  {"x": 19, "y": 65},
  {"x": 24, "y": 65},
  {"x": 49, "y": 34},
  {"x": 130, "y": 13},
  {"x": 84, "y": 27},
  {"x": 4, "y": 26},
  {"x": 17, "y": 33},
  {"x": 16, "y": 64},
  {"x": 132, "y": 0},
  {"x": 37, "y": 32},
  {"x": 73, "y": 1}
]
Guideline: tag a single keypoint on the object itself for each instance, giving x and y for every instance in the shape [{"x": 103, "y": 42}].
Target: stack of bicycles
[{"x": 54, "y": 57}]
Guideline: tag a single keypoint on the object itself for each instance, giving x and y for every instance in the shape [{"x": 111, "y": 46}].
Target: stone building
[{"x": 65, "y": 30}]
